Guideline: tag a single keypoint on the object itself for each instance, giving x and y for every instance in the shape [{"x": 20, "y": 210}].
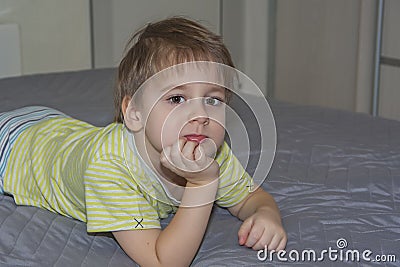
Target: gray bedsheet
[{"x": 336, "y": 178}]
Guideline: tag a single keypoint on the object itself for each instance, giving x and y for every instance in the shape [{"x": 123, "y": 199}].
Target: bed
[{"x": 335, "y": 177}]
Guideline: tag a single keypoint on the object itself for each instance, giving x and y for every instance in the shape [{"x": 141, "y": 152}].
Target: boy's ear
[{"x": 132, "y": 117}]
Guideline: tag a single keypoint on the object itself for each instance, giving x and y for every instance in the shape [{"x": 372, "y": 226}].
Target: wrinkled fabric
[{"x": 12, "y": 124}]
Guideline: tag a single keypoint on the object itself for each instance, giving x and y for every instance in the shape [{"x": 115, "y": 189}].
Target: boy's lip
[{"x": 195, "y": 137}]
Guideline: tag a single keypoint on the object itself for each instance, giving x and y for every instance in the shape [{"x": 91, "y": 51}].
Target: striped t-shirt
[{"x": 75, "y": 169}]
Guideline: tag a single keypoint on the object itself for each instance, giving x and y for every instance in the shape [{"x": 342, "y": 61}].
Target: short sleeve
[
  {"x": 114, "y": 201},
  {"x": 235, "y": 183}
]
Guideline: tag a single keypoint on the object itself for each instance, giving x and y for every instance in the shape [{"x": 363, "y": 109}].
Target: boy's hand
[
  {"x": 263, "y": 228},
  {"x": 192, "y": 161}
]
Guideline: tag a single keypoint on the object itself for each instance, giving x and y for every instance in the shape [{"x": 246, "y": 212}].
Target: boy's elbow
[{"x": 143, "y": 248}]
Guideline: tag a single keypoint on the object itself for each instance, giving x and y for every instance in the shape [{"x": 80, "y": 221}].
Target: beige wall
[
  {"x": 389, "y": 96},
  {"x": 324, "y": 53},
  {"x": 391, "y": 29},
  {"x": 366, "y": 56},
  {"x": 389, "y": 93},
  {"x": 245, "y": 32},
  {"x": 116, "y": 20},
  {"x": 10, "y": 50},
  {"x": 256, "y": 42},
  {"x": 54, "y": 34}
]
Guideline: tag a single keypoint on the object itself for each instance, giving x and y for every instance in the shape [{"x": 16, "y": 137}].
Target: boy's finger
[
  {"x": 199, "y": 156},
  {"x": 266, "y": 240},
  {"x": 165, "y": 152},
  {"x": 282, "y": 244},
  {"x": 209, "y": 147},
  {"x": 181, "y": 142},
  {"x": 274, "y": 244},
  {"x": 256, "y": 238},
  {"x": 201, "y": 159},
  {"x": 165, "y": 155},
  {"x": 244, "y": 231},
  {"x": 170, "y": 159},
  {"x": 188, "y": 150},
  {"x": 175, "y": 155}
]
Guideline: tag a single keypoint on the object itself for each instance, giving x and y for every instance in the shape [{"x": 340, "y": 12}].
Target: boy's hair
[{"x": 163, "y": 44}]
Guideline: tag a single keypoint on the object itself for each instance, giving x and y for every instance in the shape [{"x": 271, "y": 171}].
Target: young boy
[{"x": 124, "y": 178}]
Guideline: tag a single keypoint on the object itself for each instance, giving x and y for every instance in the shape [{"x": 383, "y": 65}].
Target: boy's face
[{"x": 194, "y": 111}]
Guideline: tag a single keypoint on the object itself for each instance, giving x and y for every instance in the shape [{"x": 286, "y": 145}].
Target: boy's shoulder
[
  {"x": 72, "y": 124},
  {"x": 65, "y": 131},
  {"x": 223, "y": 153}
]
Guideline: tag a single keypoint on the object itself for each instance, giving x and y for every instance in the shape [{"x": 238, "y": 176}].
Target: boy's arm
[
  {"x": 178, "y": 243},
  {"x": 262, "y": 224}
]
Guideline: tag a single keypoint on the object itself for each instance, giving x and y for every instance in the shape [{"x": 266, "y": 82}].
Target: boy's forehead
[
  {"x": 195, "y": 85},
  {"x": 190, "y": 72}
]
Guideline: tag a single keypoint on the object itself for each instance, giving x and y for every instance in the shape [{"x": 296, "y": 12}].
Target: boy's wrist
[
  {"x": 198, "y": 195},
  {"x": 193, "y": 183},
  {"x": 265, "y": 208},
  {"x": 269, "y": 211}
]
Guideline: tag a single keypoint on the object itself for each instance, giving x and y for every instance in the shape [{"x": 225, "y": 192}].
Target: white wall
[
  {"x": 389, "y": 96},
  {"x": 245, "y": 32},
  {"x": 54, "y": 34},
  {"x": 317, "y": 52},
  {"x": 391, "y": 29},
  {"x": 10, "y": 50},
  {"x": 366, "y": 56},
  {"x": 233, "y": 27},
  {"x": 256, "y": 42},
  {"x": 116, "y": 20}
]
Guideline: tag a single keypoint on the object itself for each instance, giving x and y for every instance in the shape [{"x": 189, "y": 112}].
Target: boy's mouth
[{"x": 198, "y": 138}]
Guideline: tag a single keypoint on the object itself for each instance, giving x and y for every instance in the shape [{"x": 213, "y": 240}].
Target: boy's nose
[
  {"x": 198, "y": 112},
  {"x": 201, "y": 120}
]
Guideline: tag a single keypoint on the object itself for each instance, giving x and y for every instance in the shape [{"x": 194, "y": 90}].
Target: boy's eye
[
  {"x": 213, "y": 101},
  {"x": 176, "y": 99}
]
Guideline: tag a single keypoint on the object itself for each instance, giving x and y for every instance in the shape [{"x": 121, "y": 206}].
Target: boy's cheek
[
  {"x": 220, "y": 136},
  {"x": 169, "y": 138}
]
